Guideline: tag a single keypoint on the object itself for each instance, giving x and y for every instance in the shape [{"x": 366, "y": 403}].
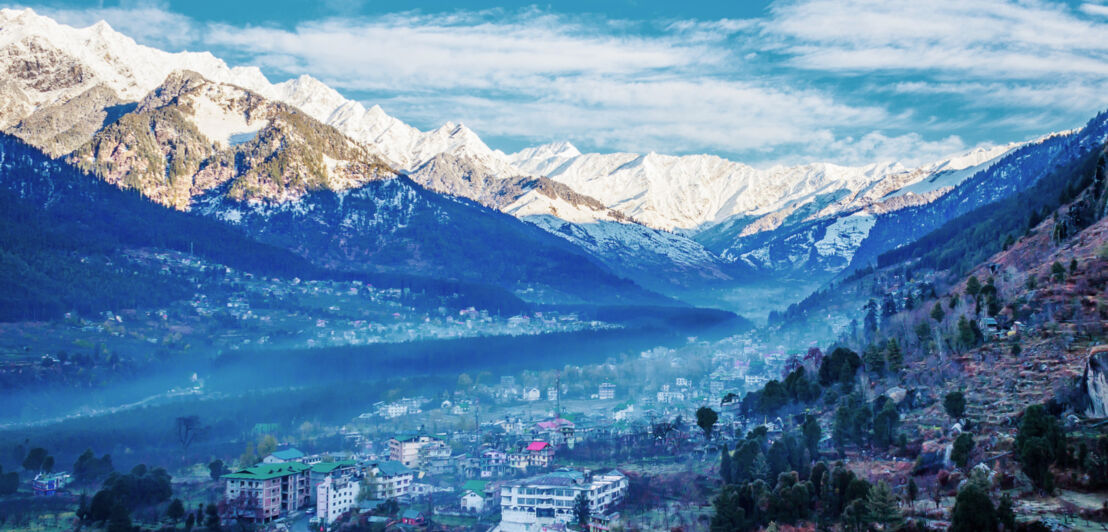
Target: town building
[
  {"x": 607, "y": 391},
  {"x": 265, "y": 492},
  {"x": 292, "y": 454},
  {"x": 324, "y": 470},
  {"x": 335, "y": 496},
  {"x": 472, "y": 502},
  {"x": 390, "y": 480},
  {"x": 547, "y": 501},
  {"x": 474, "y": 496},
  {"x": 406, "y": 449},
  {"x": 434, "y": 458},
  {"x": 558, "y": 430},
  {"x": 539, "y": 454},
  {"x": 48, "y": 484},
  {"x": 412, "y": 518}
]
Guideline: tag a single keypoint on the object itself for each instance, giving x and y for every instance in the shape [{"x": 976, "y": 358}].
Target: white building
[
  {"x": 531, "y": 394},
  {"x": 607, "y": 391},
  {"x": 755, "y": 381},
  {"x": 666, "y": 395},
  {"x": 335, "y": 496},
  {"x": 535, "y": 503},
  {"x": 473, "y": 502},
  {"x": 406, "y": 449},
  {"x": 390, "y": 480}
]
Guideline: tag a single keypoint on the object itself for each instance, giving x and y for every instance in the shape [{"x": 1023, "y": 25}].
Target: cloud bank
[{"x": 844, "y": 81}]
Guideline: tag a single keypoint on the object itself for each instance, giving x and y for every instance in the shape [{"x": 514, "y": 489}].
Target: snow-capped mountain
[
  {"x": 652, "y": 257},
  {"x": 694, "y": 192},
  {"x": 46, "y": 62},
  {"x": 190, "y": 135},
  {"x": 92, "y": 94},
  {"x": 825, "y": 245}
]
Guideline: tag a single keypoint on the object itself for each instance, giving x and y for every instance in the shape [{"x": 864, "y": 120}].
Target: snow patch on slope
[
  {"x": 843, "y": 237},
  {"x": 222, "y": 125},
  {"x": 535, "y": 203}
]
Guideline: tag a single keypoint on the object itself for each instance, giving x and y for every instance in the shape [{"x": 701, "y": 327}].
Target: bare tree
[{"x": 188, "y": 429}]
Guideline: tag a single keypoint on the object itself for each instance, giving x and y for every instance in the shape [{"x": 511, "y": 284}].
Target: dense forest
[{"x": 968, "y": 240}]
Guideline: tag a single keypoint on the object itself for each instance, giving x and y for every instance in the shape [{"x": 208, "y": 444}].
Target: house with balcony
[
  {"x": 390, "y": 480},
  {"x": 546, "y": 501},
  {"x": 267, "y": 491}
]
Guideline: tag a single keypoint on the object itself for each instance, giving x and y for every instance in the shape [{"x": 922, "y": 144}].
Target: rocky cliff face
[
  {"x": 1095, "y": 382},
  {"x": 61, "y": 127},
  {"x": 191, "y": 135}
]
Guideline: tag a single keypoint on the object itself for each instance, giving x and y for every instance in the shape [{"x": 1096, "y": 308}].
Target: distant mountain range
[{"x": 297, "y": 165}]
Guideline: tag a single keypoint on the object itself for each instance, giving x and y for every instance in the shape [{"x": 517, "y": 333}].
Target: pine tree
[
  {"x": 82, "y": 508},
  {"x": 937, "y": 313},
  {"x": 120, "y": 520},
  {"x": 973, "y": 511},
  {"x": 760, "y": 470},
  {"x": 725, "y": 466},
  {"x": 812, "y": 435},
  {"x": 955, "y": 404},
  {"x": 960, "y": 451},
  {"x": 176, "y": 510},
  {"x": 881, "y": 506},
  {"x": 894, "y": 358},
  {"x": 729, "y": 514},
  {"x": 854, "y": 515},
  {"x": 973, "y": 286},
  {"x": 212, "y": 522},
  {"x": 581, "y": 509},
  {"x": 1058, "y": 272},
  {"x": 913, "y": 493}
]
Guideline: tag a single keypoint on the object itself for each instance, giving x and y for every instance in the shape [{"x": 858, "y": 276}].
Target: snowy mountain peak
[{"x": 97, "y": 54}]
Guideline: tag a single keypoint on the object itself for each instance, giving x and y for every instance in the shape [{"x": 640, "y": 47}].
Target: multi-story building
[
  {"x": 49, "y": 483},
  {"x": 607, "y": 391},
  {"x": 493, "y": 463},
  {"x": 406, "y": 449},
  {"x": 265, "y": 492},
  {"x": 536, "y": 503},
  {"x": 292, "y": 454},
  {"x": 434, "y": 458},
  {"x": 335, "y": 496},
  {"x": 324, "y": 470},
  {"x": 390, "y": 480},
  {"x": 539, "y": 454}
]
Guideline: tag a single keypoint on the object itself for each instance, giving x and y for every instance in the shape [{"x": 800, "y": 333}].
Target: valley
[{"x": 228, "y": 303}]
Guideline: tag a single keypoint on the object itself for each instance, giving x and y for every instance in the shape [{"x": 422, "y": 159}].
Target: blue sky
[{"x": 846, "y": 81}]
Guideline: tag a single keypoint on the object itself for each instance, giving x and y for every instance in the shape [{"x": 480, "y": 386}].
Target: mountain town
[{"x": 232, "y": 304}]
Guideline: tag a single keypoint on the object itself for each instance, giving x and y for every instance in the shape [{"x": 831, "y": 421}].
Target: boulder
[
  {"x": 897, "y": 394},
  {"x": 1094, "y": 383}
]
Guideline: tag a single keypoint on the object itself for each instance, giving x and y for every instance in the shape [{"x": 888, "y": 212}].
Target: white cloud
[
  {"x": 739, "y": 87},
  {"x": 997, "y": 39},
  {"x": 1095, "y": 9},
  {"x": 544, "y": 77},
  {"x": 147, "y": 22}
]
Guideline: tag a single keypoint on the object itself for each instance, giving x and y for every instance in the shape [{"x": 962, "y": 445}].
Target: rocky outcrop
[
  {"x": 191, "y": 135},
  {"x": 61, "y": 127},
  {"x": 1094, "y": 383}
]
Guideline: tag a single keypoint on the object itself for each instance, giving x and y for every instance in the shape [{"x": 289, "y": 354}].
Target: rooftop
[
  {"x": 327, "y": 467},
  {"x": 292, "y": 453},
  {"x": 268, "y": 471},
  {"x": 475, "y": 486},
  {"x": 391, "y": 468}
]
